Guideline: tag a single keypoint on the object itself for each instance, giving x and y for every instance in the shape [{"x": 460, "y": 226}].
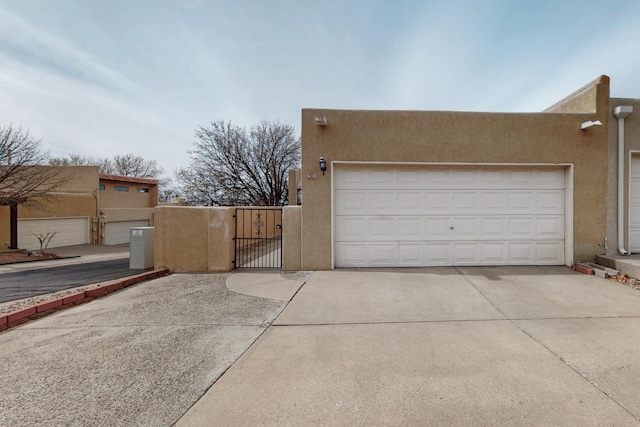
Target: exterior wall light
[
  {"x": 586, "y": 125},
  {"x": 320, "y": 121},
  {"x": 323, "y": 165}
]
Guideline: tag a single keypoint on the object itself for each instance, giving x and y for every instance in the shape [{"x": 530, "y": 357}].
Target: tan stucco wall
[
  {"x": 194, "y": 239},
  {"x": 291, "y": 241},
  {"x": 109, "y": 198},
  {"x": 632, "y": 143},
  {"x": 458, "y": 137},
  {"x": 76, "y": 197}
]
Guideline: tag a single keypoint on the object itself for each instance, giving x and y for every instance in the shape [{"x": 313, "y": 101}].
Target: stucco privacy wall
[
  {"x": 632, "y": 144},
  {"x": 291, "y": 228},
  {"x": 433, "y": 137},
  {"x": 76, "y": 197},
  {"x": 194, "y": 239}
]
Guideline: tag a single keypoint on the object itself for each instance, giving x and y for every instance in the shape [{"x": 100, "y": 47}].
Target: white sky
[{"x": 101, "y": 78}]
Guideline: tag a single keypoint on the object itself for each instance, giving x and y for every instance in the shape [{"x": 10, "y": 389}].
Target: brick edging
[{"x": 18, "y": 317}]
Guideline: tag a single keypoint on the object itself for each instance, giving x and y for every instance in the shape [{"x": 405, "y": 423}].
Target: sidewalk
[{"x": 78, "y": 254}]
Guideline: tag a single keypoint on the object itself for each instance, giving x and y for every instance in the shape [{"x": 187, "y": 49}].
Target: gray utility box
[{"x": 140, "y": 248}]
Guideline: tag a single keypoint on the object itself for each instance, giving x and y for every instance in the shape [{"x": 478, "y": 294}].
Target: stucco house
[
  {"x": 442, "y": 188},
  {"x": 435, "y": 188},
  {"x": 88, "y": 208}
]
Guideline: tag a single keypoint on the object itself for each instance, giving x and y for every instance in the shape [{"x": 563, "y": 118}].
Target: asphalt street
[{"x": 29, "y": 283}]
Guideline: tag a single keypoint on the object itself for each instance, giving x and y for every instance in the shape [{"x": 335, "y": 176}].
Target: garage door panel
[
  {"x": 549, "y": 252},
  {"x": 410, "y": 179},
  {"x": 428, "y": 216},
  {"x": 437, "y": 179},
  {"x": 352, "y": 254},
  {"x": 494, "y": 253},
  {"x": 410, "y": 229},
  {"x": 466, "y": 253},
  {"x": 493, "y": 202},
  {"x": 550, "y": 227},
  {"x": 549, "y": 202},
  {"x": 438, "y": 202},
  {"x": 381, "y": 203},
  {"x": 493, "y": 179},
  {"x": 521, "y": 253},
  {"x": 383, "y": 254},
  {"x": 438, "y": 253},
  {"x": 466, "y": 202},
  {"x": 351, "y": 202},
  {"x": 352, "y": 229},
  {"x": 383, "y": 229},
  {"x": 521, "y": 202},
  {"x": 410, "y": 201},
  {"x": 438, "y": 228},
  {"x": 494, "y": 228},
  {"x": 354, "y": 179},
  {"x": 382, "y": 178},
  {"x": 466, "y": 228},
  {"x": 411, "y": 254},
  {"x": 521, "y": 228},
  {"x": 118, "y": 233}
]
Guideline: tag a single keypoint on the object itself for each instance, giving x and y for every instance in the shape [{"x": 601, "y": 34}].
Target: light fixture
[
  {"x": 323, "y": 165},
  {"x": 586, "y": 125},
  {"x": 320, "y": 121}
]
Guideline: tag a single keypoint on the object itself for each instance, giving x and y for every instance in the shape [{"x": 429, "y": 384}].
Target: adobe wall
[{"x": 194, "y": 239}]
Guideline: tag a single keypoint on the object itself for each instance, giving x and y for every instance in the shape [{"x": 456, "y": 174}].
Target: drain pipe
[{"x": 621, "y": 112}]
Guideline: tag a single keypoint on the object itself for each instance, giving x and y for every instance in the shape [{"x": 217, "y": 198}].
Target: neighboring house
[
  {"x": 436, "y": 188},
  {"x": 88, "y": 208}
]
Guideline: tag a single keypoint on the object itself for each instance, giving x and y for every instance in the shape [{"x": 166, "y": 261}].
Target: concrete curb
[{"x": 42, "y": 309}]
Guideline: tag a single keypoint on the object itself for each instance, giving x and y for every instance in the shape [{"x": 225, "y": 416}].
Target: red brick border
[{"x": 37, "y": 311}]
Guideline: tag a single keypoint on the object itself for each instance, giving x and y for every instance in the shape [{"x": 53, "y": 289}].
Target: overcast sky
[{"x": 101, "y": 78}]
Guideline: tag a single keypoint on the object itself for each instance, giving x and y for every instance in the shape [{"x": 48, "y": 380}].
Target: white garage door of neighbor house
[
  {"x": 117, "y": 233},
  {"x": 69, "y": 231},
  {"x": 634, "y": 204},
  {"x": 389, "y": 216}
]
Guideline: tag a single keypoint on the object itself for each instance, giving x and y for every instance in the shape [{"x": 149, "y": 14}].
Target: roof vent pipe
[{"x": 621, "y": 112}]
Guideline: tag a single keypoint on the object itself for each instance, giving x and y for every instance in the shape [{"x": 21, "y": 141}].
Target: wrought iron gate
[{"x": 258, "y": 240}]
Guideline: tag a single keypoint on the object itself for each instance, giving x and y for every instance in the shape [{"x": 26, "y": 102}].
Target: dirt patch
[
  {"x": 624, "y": 279},
  {"x": 12, "y": 257}
]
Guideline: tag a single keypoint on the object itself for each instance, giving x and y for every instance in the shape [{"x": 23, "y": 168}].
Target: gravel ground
[
  {"x": 12, "y": 257},
  {"x": 11, "y": 306}
]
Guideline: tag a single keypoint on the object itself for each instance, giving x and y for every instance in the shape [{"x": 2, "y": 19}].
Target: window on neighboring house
[
  {"x": 102, "y": 186},
  {"x": 299, "y": 196},
  {"x": 121, "y": 188},
  {"x": 142, "y": 190}
]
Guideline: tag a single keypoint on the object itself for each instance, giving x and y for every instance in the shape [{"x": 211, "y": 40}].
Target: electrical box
[{"x": 141, "y": 248}]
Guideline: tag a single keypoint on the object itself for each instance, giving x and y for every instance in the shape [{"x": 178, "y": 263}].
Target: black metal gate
[{"x": 258, "y": 240}]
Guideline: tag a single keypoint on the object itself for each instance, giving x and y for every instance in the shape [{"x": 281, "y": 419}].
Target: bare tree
[
  {"x": 44, "y": 238},
  {"x": 23, "y": 179},
  {"x": 232, "y": 166},
  {"x": 123, "y": 165}
]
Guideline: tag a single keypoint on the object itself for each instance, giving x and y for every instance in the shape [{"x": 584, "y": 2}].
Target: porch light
[
  {"x": 320, "y": 121},
  {"x": 586, "y": 125},
  {"x": 323, "y": 165}
]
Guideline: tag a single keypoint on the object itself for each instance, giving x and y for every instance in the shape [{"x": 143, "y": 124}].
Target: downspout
[{"x": 621, "y": 112}]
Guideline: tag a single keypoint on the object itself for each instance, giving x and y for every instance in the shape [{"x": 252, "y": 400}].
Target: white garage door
[
  {"x": 117, "y": 233},
  {"x": 634, "y": 204},
  {"x": 69, "y": 231},
  {"x": 443, "y": 216}
]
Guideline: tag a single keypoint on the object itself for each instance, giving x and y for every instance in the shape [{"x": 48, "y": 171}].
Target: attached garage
[
  {"x": 448, "y": 215},
  {"x": 117, "y": 233},
  {"x": 69, "y": 231}
]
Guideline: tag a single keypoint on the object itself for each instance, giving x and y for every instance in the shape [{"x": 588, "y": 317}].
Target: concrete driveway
[
  {"x": 464, "y": 346},
  {"x": 456, "y": 346}
]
